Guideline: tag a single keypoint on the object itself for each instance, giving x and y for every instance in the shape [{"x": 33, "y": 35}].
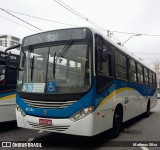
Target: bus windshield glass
[{"x": 56, "y": 69}]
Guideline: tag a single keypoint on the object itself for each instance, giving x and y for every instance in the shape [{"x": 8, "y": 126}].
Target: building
[
  {"x": 9, "y": 40},
  {"x": 156, "y": 67}
]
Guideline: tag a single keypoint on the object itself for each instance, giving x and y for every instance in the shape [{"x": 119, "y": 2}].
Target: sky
[{"x": 131, "y": 16}]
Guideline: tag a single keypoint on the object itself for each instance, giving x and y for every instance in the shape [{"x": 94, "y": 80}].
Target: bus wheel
[
  {"x": 117, "y": 124},
  {"x": 147, "y": 114}
]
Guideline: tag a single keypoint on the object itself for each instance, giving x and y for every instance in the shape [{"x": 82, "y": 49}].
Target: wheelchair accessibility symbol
[{"x": 51, "y": 87}]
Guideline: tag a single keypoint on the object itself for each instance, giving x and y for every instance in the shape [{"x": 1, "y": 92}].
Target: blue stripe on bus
[
  {"x": 7, "y": 93},
  {"x": 87, "y": 100},
  {"x": 117, "y": 84},
  {"x": 90, "y": 99}
]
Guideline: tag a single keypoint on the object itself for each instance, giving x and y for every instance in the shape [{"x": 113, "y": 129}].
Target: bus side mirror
[
  {"x": 12, "y": 47},
  {"x": 7, "y": 56},
  {"x": 99, "y": 48},
  {"x": 99, "y": 41},
  {"x": 104, "y": 55},
  {"x": 99, "y": 60},
  {"x": 22, "y": 60}
]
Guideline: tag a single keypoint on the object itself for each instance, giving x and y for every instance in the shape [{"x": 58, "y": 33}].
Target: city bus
[
  {"x": 8, "y": 82},
  {"x": 78, "y": 81}
]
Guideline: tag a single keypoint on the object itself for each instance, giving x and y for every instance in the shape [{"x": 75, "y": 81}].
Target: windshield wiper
[
  {"x": 61, "y": 54},
  {"x": 32, "y": 67},
  {"x": 65, "y": 49},
  {"x": 54, "y": 65}
]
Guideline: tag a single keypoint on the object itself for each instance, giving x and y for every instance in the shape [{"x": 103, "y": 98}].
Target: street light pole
[
  {"x": 153, "y": 61},
  {"x": 130, "y": 38}
]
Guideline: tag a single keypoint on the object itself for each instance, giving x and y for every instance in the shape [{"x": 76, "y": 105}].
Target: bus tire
[
  {"x": 117, "y": 124},
  {"x": 147, "y": 114}
]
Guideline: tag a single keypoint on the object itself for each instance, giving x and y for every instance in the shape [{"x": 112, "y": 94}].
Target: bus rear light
[{"x": 82, "y": 113}]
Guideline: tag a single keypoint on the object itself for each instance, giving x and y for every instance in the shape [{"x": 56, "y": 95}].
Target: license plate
[{"x": 45, "y": 122}]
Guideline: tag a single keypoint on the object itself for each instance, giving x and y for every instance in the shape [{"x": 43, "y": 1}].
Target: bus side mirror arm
[
  {"x": 7, "y": 56},
  {"x": 12, "y": 47}
]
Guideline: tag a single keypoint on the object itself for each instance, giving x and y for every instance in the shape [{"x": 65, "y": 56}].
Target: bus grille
[
  {"x": 47, "y": 127},
  {"x": 49, "y": 104}
]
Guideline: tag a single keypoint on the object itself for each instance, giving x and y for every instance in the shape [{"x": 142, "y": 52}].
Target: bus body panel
[
  {"x": 135, "y": 106},
  {"x": 133, "y": 100},
  {"x": 82, "y": 127},
  {"x": 7, "y": 106},
  {"x": 154, "y": 100}
]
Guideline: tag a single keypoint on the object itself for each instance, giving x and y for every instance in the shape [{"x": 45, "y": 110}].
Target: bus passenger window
[
  {"x": 154, "y": 80},
  {"x": 121, "y": 65},
  {"x": 150, "y": 78},
  {"x": 132, "y": 71},
  {"x": 140, "y": 73},
  {"x": 146, "y": 76}
]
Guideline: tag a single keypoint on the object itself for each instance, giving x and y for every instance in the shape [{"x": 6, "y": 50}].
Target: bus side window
[
  {"x": 103, "y": 66},
  {"x": 146, "y": 76},
  {"x": 154, "y": 79},
  {"x": 140, "y": 73},
  {"x": 2, "y": 72},
  {"x": 132, "y": 71},
  {"x": 106, "y": 61},
  {"x": 150, "y": 78},
  {"x": 121, "y": 65}
]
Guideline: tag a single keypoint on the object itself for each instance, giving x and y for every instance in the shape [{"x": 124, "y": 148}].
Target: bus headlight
[
  {"x": 18, "y": 108},
  {"x": 82, "y": 113},
  {"x": 21, "y": 111}
]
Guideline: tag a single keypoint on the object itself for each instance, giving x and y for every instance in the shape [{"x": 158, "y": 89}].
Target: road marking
[
  {"x": 30, "y": 140},
  {"x": 40, "y": 131},
  {"x": 144, "y": 148}
]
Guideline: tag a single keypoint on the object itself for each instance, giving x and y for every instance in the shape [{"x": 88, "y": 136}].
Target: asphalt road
[{"x": 139, "y": 130}]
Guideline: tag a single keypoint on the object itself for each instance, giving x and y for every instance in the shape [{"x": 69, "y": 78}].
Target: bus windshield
[{"x": 56, "y": 69}]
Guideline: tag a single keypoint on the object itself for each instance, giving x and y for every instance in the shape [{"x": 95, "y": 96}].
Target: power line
[
  {"x": 148, "y": 53},
  {"x": 78, "y": 14},
  {"x": 21, "y": 19},
  {"x": 93, "y": 23},
  {"x": 40, "y": 18},
  {"x": 17, "y": 23},
  {"x": 123, "y": 32},
  {"x": 152, "y": 58},
  {"x": 114, "y": 31},
  {"x": 83, "y": 17}
]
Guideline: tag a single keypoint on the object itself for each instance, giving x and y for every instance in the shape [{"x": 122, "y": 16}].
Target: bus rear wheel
[
  {"x": 147, "y": 114},
  {"x": 117, "y": 124}
]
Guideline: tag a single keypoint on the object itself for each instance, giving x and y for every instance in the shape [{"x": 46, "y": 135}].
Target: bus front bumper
[{"x": 83, "y": 127}]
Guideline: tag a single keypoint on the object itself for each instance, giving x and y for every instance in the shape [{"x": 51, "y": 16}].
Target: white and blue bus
[
  {"x": 8, "y": 82},
  {"x": 77, "y": 81}
]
